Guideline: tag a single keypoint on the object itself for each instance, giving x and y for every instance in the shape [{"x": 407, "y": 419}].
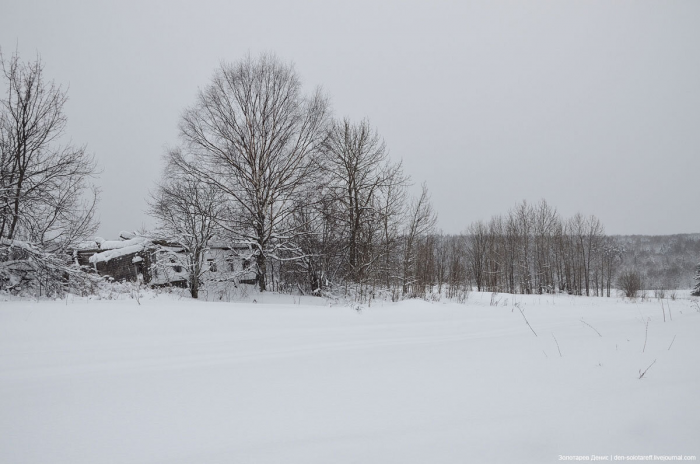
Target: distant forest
[{"x": 665, "y": 261}]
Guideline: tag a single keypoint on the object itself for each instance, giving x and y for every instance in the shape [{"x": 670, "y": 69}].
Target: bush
[
  {"x": 28, "y": 269},
  {"x": 630, "y": 282}
]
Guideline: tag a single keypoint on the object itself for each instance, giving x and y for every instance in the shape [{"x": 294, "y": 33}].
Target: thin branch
[
  {"x": 641, "y": 374},
  {"x": 555, "y": 341},
  {"x": 517, "y": 305},
  {"x": 589, "y": 325},
  {"x": 674, "y": 339},
  {"x": 663, "y": 310}
]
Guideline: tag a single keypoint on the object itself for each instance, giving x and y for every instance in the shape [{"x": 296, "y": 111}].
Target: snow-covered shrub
[{"x": 27, "y": 269}]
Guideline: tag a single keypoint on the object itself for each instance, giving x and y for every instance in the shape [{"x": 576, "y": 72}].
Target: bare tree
[
  {"x": 521, "y": 220},
  {"x": 442, "y": 251},
  {"x": 188, "y": 213},
  {"x": 42, "y": 183},
  {"x": 630, "y": 282},
  {"x": 254, "y": 136},
  {"x": 459, "y": 277},
  {"x": 421, "y": 220},
  {"x": 318, "y": 241},
  {"x": 611, "y": 257},
  {"x": 546, "y": 221},
  {"x": 368, "y": 190},
  {"x": 47, "y": 203},
  {"x": 593, "y": 247},
  {"x": 477, "y": 252},
  {"x": 391, "y": 208}
]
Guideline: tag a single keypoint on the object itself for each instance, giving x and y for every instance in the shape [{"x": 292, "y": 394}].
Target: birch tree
[{"x": 255, "y": 136}]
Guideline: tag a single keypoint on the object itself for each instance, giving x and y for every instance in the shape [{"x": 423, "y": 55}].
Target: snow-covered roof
[
  {"x": 116, "y": 253},
  {"x": 114, "y": 244},
  {"x": 86, "y": 245},
  {"x": 132, "y": 243},
  {"x": 117, "y": 248}
]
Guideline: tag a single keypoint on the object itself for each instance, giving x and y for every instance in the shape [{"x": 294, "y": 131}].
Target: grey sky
[{"x": 594, "y": 106}]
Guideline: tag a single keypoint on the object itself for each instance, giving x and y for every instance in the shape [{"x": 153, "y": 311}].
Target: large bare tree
[
  {"x": 45, "y": 194},
  {"x": 254, "y": 135},
  {"x": 47, "y": 203}
]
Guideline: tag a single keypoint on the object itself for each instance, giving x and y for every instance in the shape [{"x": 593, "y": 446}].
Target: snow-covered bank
[{"x": 181, "y": 381}]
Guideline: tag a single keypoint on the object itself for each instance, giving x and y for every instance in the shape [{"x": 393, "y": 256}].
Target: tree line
[
  {"x": 532, "y": 249},
  {"x": 319, "y": 203},
  {"x": 315, "y": 201}
]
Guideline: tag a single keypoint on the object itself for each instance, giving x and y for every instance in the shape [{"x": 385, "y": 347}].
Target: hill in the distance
[{"x": 665, "y": 261}]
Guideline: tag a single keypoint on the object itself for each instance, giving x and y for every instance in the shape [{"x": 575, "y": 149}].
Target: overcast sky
[{"x": 594, "y": 106}]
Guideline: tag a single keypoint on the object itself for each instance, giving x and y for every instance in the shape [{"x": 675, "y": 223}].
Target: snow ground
[{"x": 181, "y": 381}]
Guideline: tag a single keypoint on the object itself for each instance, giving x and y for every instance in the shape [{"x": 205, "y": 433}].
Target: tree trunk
[
  {"x": 194, "y": 287},
  {"x": 262, "y": 271}
]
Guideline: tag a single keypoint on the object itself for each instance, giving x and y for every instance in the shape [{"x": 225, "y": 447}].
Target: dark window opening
[{"x": 176, "y": 267}]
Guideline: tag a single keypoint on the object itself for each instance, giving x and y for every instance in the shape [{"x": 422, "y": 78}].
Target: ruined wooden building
[{"x": 158, "y": 262}]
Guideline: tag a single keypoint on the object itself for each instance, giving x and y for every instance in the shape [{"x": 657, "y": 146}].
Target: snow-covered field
[{"x": 180, "y": 381}]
